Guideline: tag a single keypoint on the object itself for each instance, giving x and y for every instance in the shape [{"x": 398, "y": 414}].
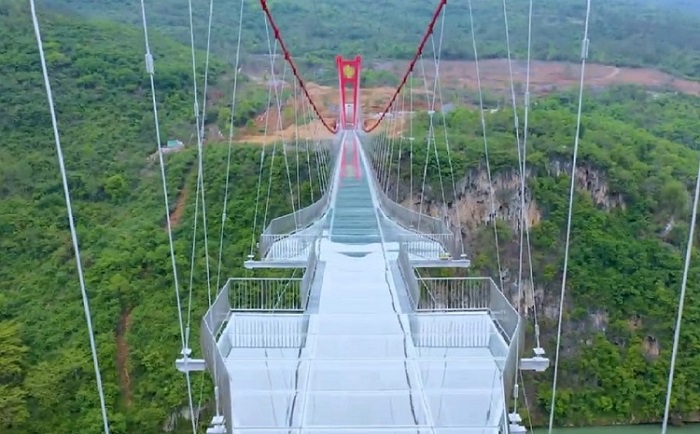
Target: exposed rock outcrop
[{"x": 473, "y": 208}]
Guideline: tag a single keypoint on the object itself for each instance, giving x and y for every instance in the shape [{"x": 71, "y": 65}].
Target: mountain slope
[
  {"x": 624, "y": 33},
  {"x": 624, "y": 267},
  {"x": 104, "y": 113},
  {"x": 637, "y": 164}
]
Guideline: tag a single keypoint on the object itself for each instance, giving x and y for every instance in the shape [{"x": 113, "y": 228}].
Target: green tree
[{"x": 13, "y": 397}]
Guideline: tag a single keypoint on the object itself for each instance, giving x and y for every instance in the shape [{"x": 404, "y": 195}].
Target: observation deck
[{"x": 360, "y": 342}]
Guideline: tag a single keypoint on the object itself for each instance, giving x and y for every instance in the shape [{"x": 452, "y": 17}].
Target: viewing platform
[{"x": 359, "y": 341}]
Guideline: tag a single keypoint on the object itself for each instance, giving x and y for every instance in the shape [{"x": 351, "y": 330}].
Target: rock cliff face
[
  {"x": 473, "y": 206},
  {"x": 473, "y": 209}
]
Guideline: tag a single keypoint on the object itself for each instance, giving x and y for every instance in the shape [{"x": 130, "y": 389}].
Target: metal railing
[
  {"x": 409, "y": 277},
  {"x": 427, "y": 246},
  {"x": 307, "y": 280},
  {"x": 211, "y": 326},
  {"x": 280, "y": 239},
  {"x": 453, "y": 293},
  {"x": 512, "y": 361},
  {"x": 464, "y": 294},
  {"x": 255, "y": 330},
  {"x": 452, "y": 331},
  {"x": 280, "y": 298},
  {"x": 427, "y": 228},
  {"x": 272, "y": 294},
  {"x": 282, "y": 230},
  {"x": 286, "y": 246}
]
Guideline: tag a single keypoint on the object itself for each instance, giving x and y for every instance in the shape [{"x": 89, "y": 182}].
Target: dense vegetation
[
  {"x": 624, "y": 32},
  {"x": 625, "y": 263},
  {"x": 104, "y": 109},
  {"x": 626, "y": 248}
]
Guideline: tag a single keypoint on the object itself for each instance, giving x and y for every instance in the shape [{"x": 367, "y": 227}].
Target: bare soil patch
[
  {"x": 545, "y": 77},
  {"x": 123, "y": 357},
  {"x": 176, "y": 215}
]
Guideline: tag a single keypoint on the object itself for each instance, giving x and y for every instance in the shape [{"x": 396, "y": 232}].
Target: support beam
[
  {"x": 185, "y": 364},
  {"x": 539, "y": 363},
  {"x": 275, "y": 263},
  {"x": 440, "y": 263}
]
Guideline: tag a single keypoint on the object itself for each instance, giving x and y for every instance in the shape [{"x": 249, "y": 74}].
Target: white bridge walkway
[{"x": 360, "y": 343}]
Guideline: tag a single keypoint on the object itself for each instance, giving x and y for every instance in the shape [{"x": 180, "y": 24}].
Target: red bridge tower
[{"x": 349, "y": 77}]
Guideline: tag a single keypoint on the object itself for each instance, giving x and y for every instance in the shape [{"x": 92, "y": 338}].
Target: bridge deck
[
  {"x": 359, "y": 366},
  {"x": 355, "y": 217},
  {"x": 359, "y": 358}
]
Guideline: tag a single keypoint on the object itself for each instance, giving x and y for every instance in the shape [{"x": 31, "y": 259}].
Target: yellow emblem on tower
[{"x": 349, "y": 72}]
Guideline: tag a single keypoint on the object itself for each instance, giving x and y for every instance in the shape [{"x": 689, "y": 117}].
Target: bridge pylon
[{"x": 349, "y": 77}]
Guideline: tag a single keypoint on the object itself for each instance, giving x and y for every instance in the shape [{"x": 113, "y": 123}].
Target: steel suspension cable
[
  {"x": 523, "y": 221},
  {"x": 492, "y": 194},
  {"x": 681, "y": 302},
  {"x": 318, "y": 157},
  {"x": 431, "y": 137},
  {"x": 280, "y": 129},
  {"x": 230, "y": 145},
  {"x": 398, "y": 146},
  {"x": 290, "y": 61},
  {"x": 438, "y": 86},
  {"x": 306, "y": 144},
  {"x": 401, "y": 143},
  {"x": 296, "y": 145},
  {"x": 71, "y": 220},
  {"x": 584, "y": 55},
  {"x": 319, "y": 163},
  {"x": 410, "y": 141},
  {"x": 519, "y": 146},
  {"x": 263, "y": 151},
  {"x": 151, "y": 72},
  {"x": 411, "y": 65},
  {"x": 274, "y": 146},
  {"x": 227, "y": 183},
  {"x": 385, "y": 160},
  {"x": 206, "y": 67},
  {"x": 199, "y": 122},
  {"x": 390, "y": 155},
  {"x": 150, "y": 69},
  {"x": 427, "y": 157}
]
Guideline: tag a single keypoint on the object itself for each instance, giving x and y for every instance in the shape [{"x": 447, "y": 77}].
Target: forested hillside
[
  {"x": 103, "y": 102},
  {"x": 623, "y": 32},
  {"x": 625, "y": 262},
  {"x": 626, "y": 248}
]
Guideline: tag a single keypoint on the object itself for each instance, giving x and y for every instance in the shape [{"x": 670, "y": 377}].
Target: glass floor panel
[
  {"x": 360, "y": 375},
  {"x": 365, "y": 409},
  {"x": 355, "y": 430}
]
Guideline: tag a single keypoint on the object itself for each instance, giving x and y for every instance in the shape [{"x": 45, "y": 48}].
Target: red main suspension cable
[
  {"x": 288, "y": 58},
  {"x": 419, "y": 52}
]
